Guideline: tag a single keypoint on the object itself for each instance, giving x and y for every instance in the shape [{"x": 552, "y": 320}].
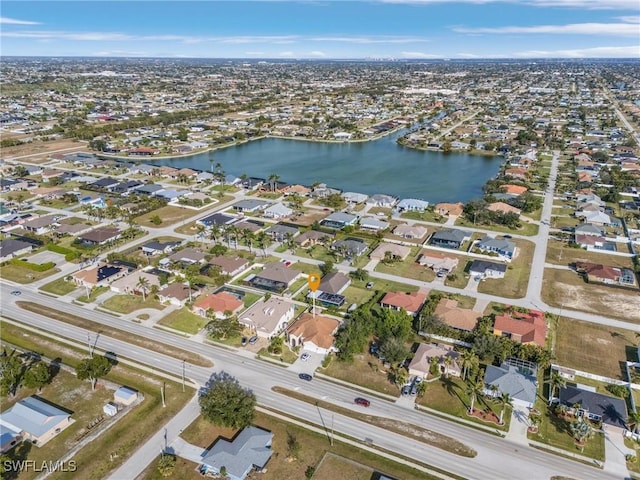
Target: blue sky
[{"x": 323, "y": 29}]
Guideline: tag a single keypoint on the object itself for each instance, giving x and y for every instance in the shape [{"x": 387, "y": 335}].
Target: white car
[{"x": 304, "y": 357}]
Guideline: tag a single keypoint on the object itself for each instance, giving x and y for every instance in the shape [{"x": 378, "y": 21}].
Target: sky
[{"x": 322, "y": 29}]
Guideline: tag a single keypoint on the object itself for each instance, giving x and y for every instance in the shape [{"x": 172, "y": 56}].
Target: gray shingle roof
[
  {"x": 34, "y": 416},
  {"x": 509, "y": 380}
]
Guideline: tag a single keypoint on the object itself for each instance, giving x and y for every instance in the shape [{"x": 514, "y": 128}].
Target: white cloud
[
  {"x": 418, "y": 55},
  {"x": 14, "y": 21},
  {"x": 317, "y": 53},
  {"x": 577, "y": 4},
  {"x": 595, "y": 52},
  {"x": 630, "y": 19},
  {"x": 120, "y": 53},
  {"x": 612, "y": 29},
  {"x": 286, "y": 54},
  {"x": 370, "y": 40}
]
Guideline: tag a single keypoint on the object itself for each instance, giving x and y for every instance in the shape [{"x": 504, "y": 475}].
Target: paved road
[{"x": 492, "y": 462}]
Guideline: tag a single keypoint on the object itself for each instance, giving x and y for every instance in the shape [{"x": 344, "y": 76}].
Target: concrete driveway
[
  {"x": 47, "y": 256},
  {"x": 307, "y": 366}
]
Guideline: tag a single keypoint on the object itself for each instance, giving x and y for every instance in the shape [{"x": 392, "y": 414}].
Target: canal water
[{"x": 378, "y": 166}]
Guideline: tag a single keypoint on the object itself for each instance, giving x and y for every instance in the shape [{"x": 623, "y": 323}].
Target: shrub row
[{"x": 32, "y": 266}]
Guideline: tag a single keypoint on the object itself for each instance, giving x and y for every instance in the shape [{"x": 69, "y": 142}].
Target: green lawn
[
  {"x": 93, "y": 294},
  {"x": 18, "y": 274},
  {"x": 514, "y": 285},
  {"x": 184, "y": 320},
  {"x": 365, "y": 370},
  {"x": 526, "y": 228},
  {"x": 130, "y": 303},
  {"x": 59, "y": 287},
  {"x": 408, "y": 268},
  {"x": 425, "y": 216}
]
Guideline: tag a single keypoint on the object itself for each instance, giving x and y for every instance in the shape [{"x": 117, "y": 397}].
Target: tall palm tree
[
  {"x": 556, "y": 382},
  {"x": 143, "y": 286},
  {"x": 273, "y": 181},
  {"x": 214, "y": 232},
  {"x": 473, "y": 390},
  {"x": 633, "y": 418},
  {"x": 468, "y": 359},
  {"x": 247, "y": 237},
  {"x": 447, "y": 364},
  {"x": 506, "y": 401}
]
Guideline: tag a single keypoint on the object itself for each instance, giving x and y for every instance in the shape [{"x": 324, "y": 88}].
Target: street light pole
[
  {"x": 183, "y": 367},
  {"x": 89, "y": 343}
]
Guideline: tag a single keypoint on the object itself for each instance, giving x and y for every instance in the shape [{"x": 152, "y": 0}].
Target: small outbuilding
[
  {"x": 110, "y": 409},
  {"x": 125, "y": 396}
]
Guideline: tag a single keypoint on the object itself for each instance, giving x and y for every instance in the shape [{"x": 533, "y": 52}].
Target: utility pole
[
  {"x": 331, "y": 439},
  {"x": 89, "y": 343},
  {"x": 162, "y": 393}
]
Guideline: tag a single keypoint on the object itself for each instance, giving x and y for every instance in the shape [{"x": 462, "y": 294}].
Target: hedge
[
  {"x": 32, "y": 266},
  {"x": 69, "y": 254}
]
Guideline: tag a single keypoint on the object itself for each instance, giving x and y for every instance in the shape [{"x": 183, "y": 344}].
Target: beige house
[
  {"x": 438, "y": 262},
  {"x": 410, "y": 232},
  {"x": 129, "y": 284},
  {"x": 460, "y": 318},
  {"x": 98, "y": 275},
  {"x": 397, "y": 251},
  {"x": 446, "y": 358},
  {"x": 313, "y": 333},
  {"x": 267, "y": 318}
]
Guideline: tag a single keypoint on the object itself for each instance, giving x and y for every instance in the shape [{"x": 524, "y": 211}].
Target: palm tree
[
  {"x": 247, "y": 237},
  {"x": 468, "y": 359},
  {"x": 556, "y": 382},
  {"x": 214, "y": 232},
  {"x": 506, "y": 401},
  {"x": 473, "y": 390},
  {"x": 401, "y": 376},
  {"x": 447, "y": 363},
  {"x": 273, "y": 181},
  {"x": 633, "y": 418},
  {"x": 143, "y": 285}
]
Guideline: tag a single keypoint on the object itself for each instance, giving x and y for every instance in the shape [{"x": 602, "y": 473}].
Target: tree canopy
[
  {"x": 93, "y": 368},
  {"x": 225, "y": 402}
]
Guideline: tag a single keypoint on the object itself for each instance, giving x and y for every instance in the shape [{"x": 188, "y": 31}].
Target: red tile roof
[{"x": 530, "y": 327}]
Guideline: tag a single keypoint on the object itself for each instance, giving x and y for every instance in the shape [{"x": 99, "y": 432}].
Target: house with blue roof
[{"x": 35, "y": 419}]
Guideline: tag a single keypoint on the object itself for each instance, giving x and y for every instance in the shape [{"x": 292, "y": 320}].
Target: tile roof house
[
  {"x": 503, "y": 247},
  {"x": 522, "y": 327},
  {"x": 249, "y": 450},
  {"x": 231, "y": 266},
  {"x": 219, "y": 303},
  {"x": 410, "y": 232},
  {"x": 275, "y": 277},
  {"x": 267, "y": 318},
  {"x": 311, "y": 237},
  {"x": 455, "y": 317},
  {"x": 421, "y": 361},
  {"x": 515, "y": 190},
  {"x": 177, "y": 294},
  {"x": 352, "y": 247},
  {"x": 503, "y": 208},
  {"x": 409, "y": 302},
  {"x": 438, "y": 261},
  {"x": 519, "y": 384},
  {"x": 36, "y": 420},
  {"x": 98, "y": 275},
  {"x": 313, "y": 333},
  {"x": 450, "y": 209},
  {"x": 188, "y": 255},
  {"x": 100, "y": 236},
  {"x": 130, "y": 283},
  {"x": 339, "y": 220},
  {"x": 595, "y": 406},
  {"x": 412, "y": 205},
  {"x": 396, "y": 251},
  {"x": 605, "y": 274}
]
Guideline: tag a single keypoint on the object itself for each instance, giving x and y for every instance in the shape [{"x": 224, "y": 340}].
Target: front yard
[
  {"x": 514, "y": 285},
  {"x": 365, "y": 370},
  {"x": 59, "y": 287},
  {"x": 184, "y": 320},
  {"x": 18, "y": 274},
  {"x": 130, "y": 303}
]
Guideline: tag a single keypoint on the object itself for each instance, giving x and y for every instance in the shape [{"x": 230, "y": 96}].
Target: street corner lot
[
  {"x": 47, "y": 256},
  {"x": 514, "y": 285},
  {"x": 567, "y": 289}
]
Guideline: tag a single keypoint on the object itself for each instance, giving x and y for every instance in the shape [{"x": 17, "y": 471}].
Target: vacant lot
[
  {"x": 38, "y": 150},
  {"x": 408, "y": 268},
  {"x": 332, "y": 466},
  {"x": 365, "y": 370},
  {"x": 168, "y": 214},
  {"x": 19, "y": 274},
  {"x": 593, "y": 348},
  {"x": 59, "y": 287},
  {"x": 184, "y": 320},
  {"x": 130, "y": 303},
  {"x": 563, "y": 288},
  {"x": 563, "y": 255}
]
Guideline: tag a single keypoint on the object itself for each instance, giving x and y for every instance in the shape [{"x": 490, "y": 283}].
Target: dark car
[
  {"x": 253, "y": 339},
  {"x": 406, "y": 389},
  {"x": 243, "y": 342},
  {"x": 305, "y": 376},
  {"x": 362, "y": 402}
]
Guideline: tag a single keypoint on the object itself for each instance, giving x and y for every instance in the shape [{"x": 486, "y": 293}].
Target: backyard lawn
[
  {"x": 408, "y": 268},
  {"x": 184, "y": 320},
  {"x": 514, "y": 285},
  {"x": 130, "y": 303},
  {"x": 169, "y": 214},
  {"x": 526, "y": 228}
]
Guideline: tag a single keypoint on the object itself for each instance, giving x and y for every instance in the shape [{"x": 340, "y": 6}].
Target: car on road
[
  {"x": 507, "y": 236},
  {"x": 16, "y": 292},
  {"x": 253, "y": 339},
  {"x": 244, "y": 341},
  {"x": 362, "y": 402},
  {"x": 305, "y": 376},
  {"x": 304, "y": 357}
]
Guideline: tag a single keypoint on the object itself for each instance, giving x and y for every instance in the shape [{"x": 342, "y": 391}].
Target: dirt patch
[
  {"x": 40, "y": 150},
  {"x": 485, "y": 416},
  {"x": 620, "y": 305}
]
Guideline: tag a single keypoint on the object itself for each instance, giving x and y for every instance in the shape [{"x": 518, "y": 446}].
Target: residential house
[
  {"x": 251, "y": 205},
  {"x": 449, "y": 209},
  {"x": 329, "y": 292},
  {"x": 409, "y": 302},
  {"x": 296, "y": 190},
  {"x": 249, "y": 450},
  {"x": 220, "y": 304},
  {"x": 177, "y": 294},
  {"x": 438, "y": 262},
  {"x": 11, "y": 248},
  {"x": 607, "y": 275},
  {"x": 149, "y": 189},
  {"x": 277, "y": 211},
  {"x": 216, "y": 219},
  {"x": 446, "y": 359},
  {"x": 130, "y": 284},
  {"x": 455, "y": 317},
  {"x": 503, "y": 247},
  {"x": 503, "y": 208},
  {"x": 100, "y": 236},
  {"x": 530, "y": 327},
  {"x": 280, "y": 232},
  {"x": 449, "y": 238},
  {"x": 595, "y": 406},
  {"x": 351, "y": 247},
  {"x": 519, "y": 383},
  {"x": 101, "y": 274},
  {"x": 267, "y": 318},
  {"x": 412, "y": 205},
  {"x": 155, "y": 247},
  {"x": 595, "y": 218},
  {"x": 105, "y": 183},
  {"x": 590, "y": 241},
  {"x": 275, "y": 277},
  {"x": 230, "y": 266},
  {"x": 36, "y": 420},
  {"x": 322, "y": 191},
  {"x": 354, "y": 198},
  {"x": 374, "y": 224},
  {"x": 311, "y": 237},
  {"x": 313, "y": 333},
  {"x": 410, "y": 232},
  {"x": 396, "y": 251},
  {"x": 339, "y": 220},
  {"x": 519, "y": 173},
  {"x": 485, "y": 269},
  {"x": 588, "y": 229},
  {"x": 381, "y": 200},
  {"x": 513, "y": 190},
  {"x": 188, "y": 255},
  {"x": 50, "y": 173}
]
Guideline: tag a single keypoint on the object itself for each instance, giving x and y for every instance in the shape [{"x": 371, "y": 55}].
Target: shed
[
  {"x": 125, "y": 396},
  {"x": 110, "y": 409}
]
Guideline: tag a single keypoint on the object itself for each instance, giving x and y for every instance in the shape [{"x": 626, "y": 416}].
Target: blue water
[{"x": 380, "y": 166}]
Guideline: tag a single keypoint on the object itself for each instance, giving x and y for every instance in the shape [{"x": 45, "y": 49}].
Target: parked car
[
  {"x": 362, "y": 402},
  {"x": 305, "y": 376},
  {"x": 370, "y": 285},
  {"x": 253, "y": 339},
  {"x": 244, "y": 341},
  {"x": 406, "y": 389},
  {"x": 304, "y": 357},
  {"x": 16, "y": 292}
]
